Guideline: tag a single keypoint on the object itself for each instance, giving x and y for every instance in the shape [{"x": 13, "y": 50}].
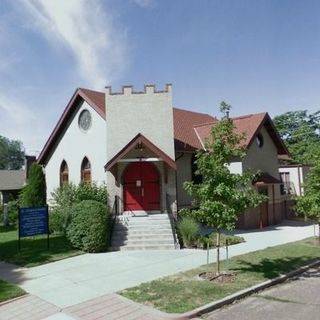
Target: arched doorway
[{"x": 141, "y": 187}]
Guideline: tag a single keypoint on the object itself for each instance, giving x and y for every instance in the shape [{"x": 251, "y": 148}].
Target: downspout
[{"x": 273, "y": 204}]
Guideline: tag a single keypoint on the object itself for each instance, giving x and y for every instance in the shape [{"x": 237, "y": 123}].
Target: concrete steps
[{"x": 143, "y": 232}]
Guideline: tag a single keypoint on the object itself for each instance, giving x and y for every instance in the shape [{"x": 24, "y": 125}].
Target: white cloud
[
  {"x": 83, "y": 28},
  {"x": 87, "y": 30},
  {"x": 19, "y": 123}
]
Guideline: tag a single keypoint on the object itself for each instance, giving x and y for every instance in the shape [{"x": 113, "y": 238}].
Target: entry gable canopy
[{"x": 140, "y": 139}]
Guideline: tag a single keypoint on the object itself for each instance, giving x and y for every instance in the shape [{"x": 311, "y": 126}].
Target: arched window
[
  {"x": 64, "y": 173},
  {"x": 86, "y": 170}
]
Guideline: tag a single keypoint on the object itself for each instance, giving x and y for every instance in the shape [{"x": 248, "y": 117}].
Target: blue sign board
[{"x": 33, "y": 221}]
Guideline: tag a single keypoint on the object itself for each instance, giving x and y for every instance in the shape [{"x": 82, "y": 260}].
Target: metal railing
[
  {"x": 288, "y": 188},
  {"x": 173, "y": 222}
]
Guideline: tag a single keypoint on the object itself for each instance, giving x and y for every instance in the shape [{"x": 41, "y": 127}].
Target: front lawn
[
  {"x": 33, "y": 250},
  {"x": 9, "y": 291},
  {"x": 183, "y": 292}
]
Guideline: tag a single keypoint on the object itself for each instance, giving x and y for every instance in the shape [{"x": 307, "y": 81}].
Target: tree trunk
[
  {"x": 218, "y": 252},
  {"x": 319, "y": 231}
]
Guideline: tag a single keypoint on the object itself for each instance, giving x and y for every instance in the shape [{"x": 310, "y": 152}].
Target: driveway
[
  {"x": 74, "y": 280},
  {"x": 299, "y": 298}
]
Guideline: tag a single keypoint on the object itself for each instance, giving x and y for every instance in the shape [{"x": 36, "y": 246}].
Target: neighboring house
[
  {"x": 11, "y": 182},
  {"x": 293, "y": 177},
  {"x": 143, "y": 149}
]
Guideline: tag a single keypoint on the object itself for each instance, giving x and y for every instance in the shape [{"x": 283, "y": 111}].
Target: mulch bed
[{"x": 222, "y": 277}]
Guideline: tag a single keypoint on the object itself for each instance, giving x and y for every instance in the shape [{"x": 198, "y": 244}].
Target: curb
[
  {"x": 243, "y": 293},
  {"x": 14, "y": 299}
]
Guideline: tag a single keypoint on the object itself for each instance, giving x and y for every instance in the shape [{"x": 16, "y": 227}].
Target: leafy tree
[
  {"x": 309, "y": 203},
  {"x": 34, "y": 193},
  {"x": 222, "y": 196},
  {"x": 301, "y": 133},
  {"x": 11, "y": 154}
]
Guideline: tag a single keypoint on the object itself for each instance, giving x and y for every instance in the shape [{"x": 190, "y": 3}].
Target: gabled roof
[
  {"x": 94, "y": 98},
  {"x": 184, "y": 134},
  {"x": 140, "y": 139},
  {"x": 250, "y": 125},
  {"x": 12, "y": 179},
  {"x": 184, "y": 121},
  {"x": 190, "y": 128}
]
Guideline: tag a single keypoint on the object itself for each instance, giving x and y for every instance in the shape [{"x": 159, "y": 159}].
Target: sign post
[{"x": 33, "y": 221}]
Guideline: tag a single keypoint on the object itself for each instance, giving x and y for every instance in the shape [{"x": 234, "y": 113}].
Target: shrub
[
  {"x": 91, "y": 191},
  {"x": 59, "y": 220},
  {"x": 189, "y": 231},
  {"x": 67, "y": 196},
  {"x": 64, "y": 196},
  {"x": 212, "y": 240},
  {"x": 34, "y": 193},
  {"x": 13, "y": 212},
  {"x": 89, "y": 226}
]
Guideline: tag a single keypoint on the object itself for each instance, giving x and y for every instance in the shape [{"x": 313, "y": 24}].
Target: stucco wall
[
  {"x": 264, "y": 159},
  {"x": 73, "y": 146},
  {"x": 148, "y": 113}
]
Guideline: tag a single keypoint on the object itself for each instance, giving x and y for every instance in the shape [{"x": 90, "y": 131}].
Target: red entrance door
[{"x": 141, "y": 187}]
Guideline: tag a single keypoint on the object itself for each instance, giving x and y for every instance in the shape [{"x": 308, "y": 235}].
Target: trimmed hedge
[{"x": 89, "y": 227}]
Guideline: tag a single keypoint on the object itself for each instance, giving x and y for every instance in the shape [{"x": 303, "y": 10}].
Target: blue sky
[{"x": 257, "y": 55}]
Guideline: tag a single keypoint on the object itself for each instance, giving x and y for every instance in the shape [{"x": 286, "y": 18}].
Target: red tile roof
[
  {"x": 96, "y": 98},
  {"x": 249, "y": 125},
  {"x": 184, "y": 122},
  {"x": 190, "y": 128}
]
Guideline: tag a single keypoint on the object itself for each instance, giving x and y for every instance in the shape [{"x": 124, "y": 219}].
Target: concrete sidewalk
[{"x": 74, "y": 280}]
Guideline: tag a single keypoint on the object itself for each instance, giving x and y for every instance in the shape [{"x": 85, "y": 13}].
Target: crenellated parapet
[{"x": 148, "y": 89}]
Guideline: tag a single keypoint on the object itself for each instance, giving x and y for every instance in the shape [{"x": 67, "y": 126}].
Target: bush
[
  {"x": 34, "y": 193},
  {"x": 67, "y": 196},
  {"x": 89, "y": 226},
  {"x": 212, "y": 240},
  {"x": 91, "y": 191},
  {"x": 189, "y": 231},
  {"x": 13, "y": 212},
  {"x": 59, "y": 220}
]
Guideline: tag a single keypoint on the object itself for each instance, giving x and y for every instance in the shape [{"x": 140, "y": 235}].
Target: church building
[{"x": 143, "y": 149}]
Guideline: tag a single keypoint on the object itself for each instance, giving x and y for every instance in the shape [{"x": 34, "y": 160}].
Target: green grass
[
  {"x": 33, "y": 250},
  {"x": 183, "y": 292},
  {"x": 9, "y": 291}
]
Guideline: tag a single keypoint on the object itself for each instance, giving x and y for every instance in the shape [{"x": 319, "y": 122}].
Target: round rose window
[{"x": 85, "y": 120}]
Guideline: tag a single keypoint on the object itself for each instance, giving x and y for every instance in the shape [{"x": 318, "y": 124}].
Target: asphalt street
[{"x": 296, "y": 299}]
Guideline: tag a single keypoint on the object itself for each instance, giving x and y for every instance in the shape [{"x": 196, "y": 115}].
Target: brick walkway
[
  {"x": 28, "y": 307},
  {"x": 107, "y": 307},
  {"x": 113, "y": 306}
]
